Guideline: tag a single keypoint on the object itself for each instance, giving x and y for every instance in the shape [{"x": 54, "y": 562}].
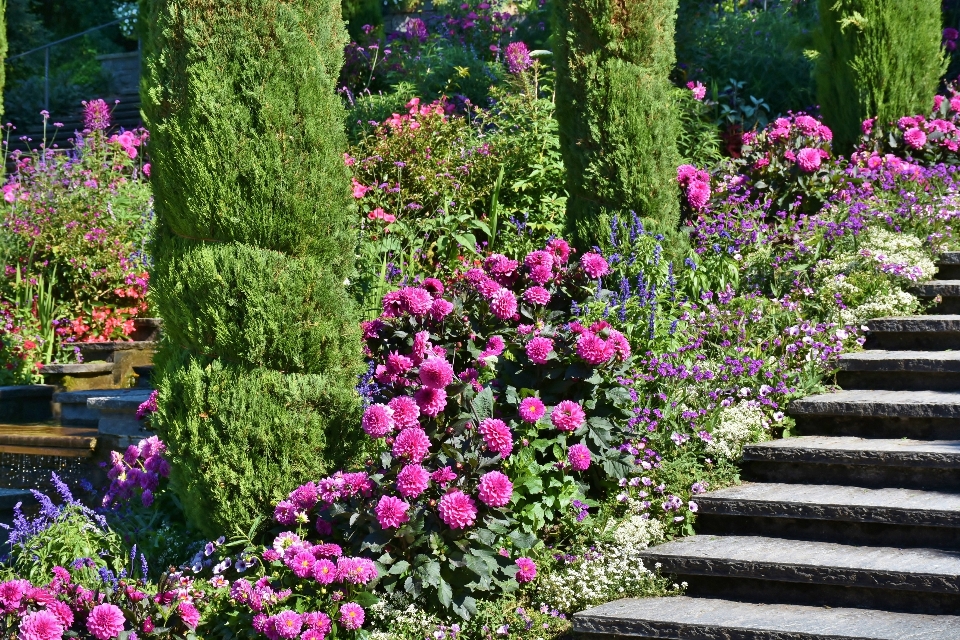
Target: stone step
[
  {"x": 880, "y": 414},
  {"x": 947, "y": 290},
  {"x": 77, "y": 411},
  {"x": 932, "y": 332},
  {"x": 79, "y": 377},
  {"x": 685, "y": 618},
  {"x": 862, "y": 462},
  {"x": 783, "y": 571},
  {"x": 948, "y": 266},
  {"x": 118, "y": 423},
  {"x": 832, "y": 513},
  {"x": 26, "y": 403},
  {"x": 900, "y": 370},
  {"x": 48, "y": 437}
]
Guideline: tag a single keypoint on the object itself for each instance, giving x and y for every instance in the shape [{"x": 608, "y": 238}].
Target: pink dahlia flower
[
  {"x": 356, "y": 570},
  {"x": 579, "y": 457},
  {"x": 189, "y": 614},
  {"x": 594, "y": 265},
  {"x": 503, "y": 303},
  {"x": 593, "y": 349},
  {"x": 416, "y": 300},
  {"x": 412, "y": 480},
  {"x": 11, "y": 592},
  {"x": 391, "y": 512},
  {"x": 443, "y": 476},
  {"x": 406, "y": 413},
  {"x": 351, "y": 616},
  {"x": 686, "y": 173},
  {"x": 41, "y": 625},
  {"x": 698, "y": 194},
  {"x": 305, "y": 496},
  {"x": 915, "y": 138},
  {"x": 527, "y": 570},
  {"x": 319, "y": 621},
  {"x": 567, "y": 416},
  {"x": 457, "y": 510},
  {"x": 436, "y": 373},
  {"x": 537, "y": 295},
  {"x": 495, "y": 489},
  {"x": 497, "y": 436},
  {"x": 327, "y": 550},
  {"x": 411, "y": 444},
  {"x": 324, "y": 571},
  {"x": 302, "y": 564},
  {"x": 561, "y": 250},
  {"x": 434, "y": 286},
  {"x": 531, "y": 410},
  {"x": 441, "y": 309},
  {"x": 105, "y": 621},
  {"x": 539, "y": 349},
  {"x": 288, "y": 624},
  {"x": 421, "y": 345},
  {"x": 431, "y": 401},
  {"x": 377, "y": 420},
  {"x": 808, "y": 159},
  {"x": 398, "y": 364}
]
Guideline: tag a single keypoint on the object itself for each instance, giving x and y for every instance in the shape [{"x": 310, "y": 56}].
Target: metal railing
[{"x": 46, "y": 56}]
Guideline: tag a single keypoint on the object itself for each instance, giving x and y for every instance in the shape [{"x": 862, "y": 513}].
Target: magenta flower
[
  {"x": 698, "y": 194},
  {"x": 517, "y": 57},
  {"x": 440, "y": 309},
  {"x": 416, "y": 300},
  {"x": 503, "y": 303},
  {"x": 377, "y": 420},
  {"x": 539, "y": 349},
  {"x": 559, "y": 248},
  {"x": 412, "y": 444},
  {"x": 406, "y": 413},
  {"x": 436, "y": 373},
  {"x": 594, "y": 265},
  {"x": 531, "y": 410},
  {"x": 324, "y": 571},
  {"x": 351, "y": 616},
  {"x": 96, "y": 115},
  {"x": 327, "y": 550},
  {"x": 698, "y": 89},
  {"x": 288, "y": 624},
  {"x": 431, "y": 401},
  {"x": 398, "y": 364},
  {"x": 443, "y": 476},
  {"x": 105, "y": 621},
  {"x": 495, "y": 489},
  {"x": 391, "y": 512},
  {"x": 567, "y": 416},
  {"x": 915, "y": 138},
  {"x": 527, "y": 570},
  {"x": 41, "y": 625},
  {"x": 305, "y": 496},
  {"x": 593, "y": 349},
  {"x": 356, "y": 570},
  {"x": 457, "y": 510},
  {"x": 497, "y": 436},
  {"x": 537, "y": 295},
  {"x": 579, "y": 457},
  {"x": 302, "y": 564},
  {"x": 412, "y": 480},
  {"x": 189, "y": 614},
  {"x": 808, "y": 159}
]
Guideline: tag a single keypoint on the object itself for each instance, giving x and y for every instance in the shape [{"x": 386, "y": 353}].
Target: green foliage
[
  {"x": 251, "y": 250},
  {"x": 698, "y": 137},
  {"x": 3, "y": 50},
  {"x": 618, "y": 125},
  {"x": 876, "y": 59},
  {"x": 763, "y": 49},
  {"x": 360, "y": 13}
]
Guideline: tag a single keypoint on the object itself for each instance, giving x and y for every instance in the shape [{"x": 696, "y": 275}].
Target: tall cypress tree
[
  {"x": 876, "y": 59},
  {"x": 3, "y": 50},
  {"x": 618, "y": 127},
  {"x": 258, "y": 365}
]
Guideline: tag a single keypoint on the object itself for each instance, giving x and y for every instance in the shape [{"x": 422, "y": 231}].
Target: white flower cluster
[
  {"x": 609, "y": 572},
  {"x": 895, "y": 302},
  {"x": 404, "y": 619},
  {"x": 739, "y": 424},
  {"x": 900, "y": 254}
]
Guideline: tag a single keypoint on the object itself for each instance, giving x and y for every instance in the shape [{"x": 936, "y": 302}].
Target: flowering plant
[{"x": 929, "y": 139}]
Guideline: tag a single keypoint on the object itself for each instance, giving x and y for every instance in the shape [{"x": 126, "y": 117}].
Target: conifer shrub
[
  {"x": 258, "y": 367},
  {"x": 615, "y": 106},
  {"x": 876, "y": 59}
]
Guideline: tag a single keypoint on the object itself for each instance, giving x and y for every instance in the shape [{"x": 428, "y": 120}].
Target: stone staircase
[{"x": 850, "y": 530}]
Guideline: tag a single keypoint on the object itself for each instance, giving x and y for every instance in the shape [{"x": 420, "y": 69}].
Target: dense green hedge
[
  {"x": 877, "y": 59},
  {"x": 252, "y": 248},
  {"x": 618, "y": 126}
]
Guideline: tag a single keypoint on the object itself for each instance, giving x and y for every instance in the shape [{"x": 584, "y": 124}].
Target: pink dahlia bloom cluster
[
  {"x": 288, "y": 624},
  {"x": 568, "y": 416},
  {"x": 919, "y": 132},
  {"x": 497, "y": 436},
  {"x": 695, "y": 184},
  {"x": 600, "y": 343},
  {"x": 784, "y": 129},
  {"x": 416, "y": 301},
  {"x": 139, "y": 468},
  {"x": 339, "y": 486}
]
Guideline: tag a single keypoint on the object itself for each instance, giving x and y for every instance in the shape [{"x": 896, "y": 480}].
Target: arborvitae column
[
  {"x": 618, "y": 128},
  {"x": 3, "y": 50},
  {"x": 261, "y": 346},
  {"x": 877, "y": 59}
]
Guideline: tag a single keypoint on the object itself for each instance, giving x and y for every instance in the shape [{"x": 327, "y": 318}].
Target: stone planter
[{"x": 123, "y": 356}]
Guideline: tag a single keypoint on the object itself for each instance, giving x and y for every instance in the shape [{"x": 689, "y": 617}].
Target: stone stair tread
[
  {"x": 81, "y": 397},
  {"x": 949, "y": 257},
  {"x": 915, "y": 324},
  {"x": 685, "y": 618},
  {"x": 810, "y": 562},
  {"x": 908, "y": 361},
  {"x": 931, "y": 288},
  {"x": 74, "y": 369},
  {"x": 835, "y": 502},
  {"x": 131, "y": 401},
  {"x": 10, "y": 497},
  {"x": 872, "y": 403},
  {"x": 48, "y": 437},
  {"x": 852, "y": 450}
]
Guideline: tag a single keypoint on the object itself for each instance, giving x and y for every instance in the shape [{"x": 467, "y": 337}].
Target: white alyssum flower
[{"x": 738, "y": 425}]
